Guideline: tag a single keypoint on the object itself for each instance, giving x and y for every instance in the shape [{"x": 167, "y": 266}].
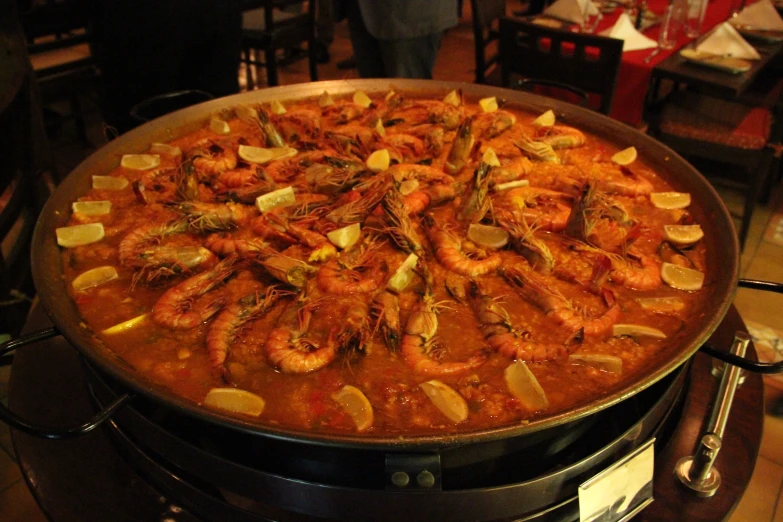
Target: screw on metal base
[{"x": 697, "y": 472}]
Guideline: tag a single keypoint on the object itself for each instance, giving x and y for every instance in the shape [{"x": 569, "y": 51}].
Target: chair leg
[
  {"x": 312, "y": 61},
  {"x": 271, "y": 68},
  {"x": 759, "y": 176}
]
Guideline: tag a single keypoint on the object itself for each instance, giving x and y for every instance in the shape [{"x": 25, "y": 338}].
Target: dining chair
[
  {"x": 23, "y": 182},
  {"x": 583, "y": 61},
  {"x": 486, "y": 37},
  {"x": 736, "y": 141},
  {"x": 268, "y": 29},
  {"x": 58, "y": 45}
]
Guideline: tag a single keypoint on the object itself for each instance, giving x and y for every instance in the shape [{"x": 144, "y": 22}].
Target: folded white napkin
[
  {"x": 632, "y": 39},
  {"x": 725, "y": 40},
  {"x": 570, "y": 10},
  {"x": 761, "y": 15}
]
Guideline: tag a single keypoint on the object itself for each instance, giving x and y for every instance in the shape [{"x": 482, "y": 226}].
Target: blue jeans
[{"x": 402, "y": 58}]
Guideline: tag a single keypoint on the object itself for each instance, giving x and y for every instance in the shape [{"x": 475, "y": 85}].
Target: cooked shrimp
[
  {"x": 627, "y": 183},
  {"x": 224, "y": 245},
  {"x": 225, "y": 328},
  {"x": 561, "y": 136},
  {"x": 422, "y": 173},
  {"x": 239, "y": 177},
  {"x": 418, "y": 201},
  {"x": 646, "y": 275},
  {"x": 356, "y": 333},
  {"x": 386, "y": 308},
  {"x": 344, "y": 277},
  {"x": 400, "y": 228},
  {"x": 175, "y": 308},
  {"x": 543, "y": 209},
  {"x": 135, "y": 242},
  {"x": 477, "y": 203},
  {"x": 536, "y": 291},
  {"x": 287, "y": 348},
  {"x": 460, "y": 149},
  {"x": 510, "y": 170},
  {"x": 491, "y": 124},
  {"x": 215, "y": 216},
  {"x": 419, "y": 350},
  {"x": 323, "y": 249},
  {"x": 502, "y": 337},
  {"x": 215, "y": 159},
  {"x": 449, "y": 251}
]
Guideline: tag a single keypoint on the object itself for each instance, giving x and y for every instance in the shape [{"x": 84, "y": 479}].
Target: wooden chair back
[
  {"x": 585, "y": 61},
  {"x": 268, "y": 28},
  {"x": 486, "y": 35}
]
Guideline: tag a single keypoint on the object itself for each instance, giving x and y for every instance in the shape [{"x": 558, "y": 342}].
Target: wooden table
[{"x": 710, "y": 81}]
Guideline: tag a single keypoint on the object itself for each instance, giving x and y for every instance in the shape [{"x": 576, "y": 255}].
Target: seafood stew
[{"x": 389, "y": 265}]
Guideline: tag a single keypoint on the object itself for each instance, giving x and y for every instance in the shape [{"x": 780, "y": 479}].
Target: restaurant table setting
[{"x": 712, "y": 33}]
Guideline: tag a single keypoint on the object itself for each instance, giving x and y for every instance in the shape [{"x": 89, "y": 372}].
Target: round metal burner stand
[{"x": 88, "y": 478}]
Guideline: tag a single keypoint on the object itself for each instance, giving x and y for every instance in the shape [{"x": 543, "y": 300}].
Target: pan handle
[
  {"x": 46, "y": 432},
  {"x": 745, "y": 364}
]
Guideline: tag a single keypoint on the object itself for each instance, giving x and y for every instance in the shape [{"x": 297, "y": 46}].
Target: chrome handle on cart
[
  {"x": 741, "y": 362},
  {"x": 46, "y": 432},
  {"x": 697, "y": 472}
]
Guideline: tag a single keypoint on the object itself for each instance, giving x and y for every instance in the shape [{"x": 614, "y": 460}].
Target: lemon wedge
[
  {"x": 356, "y": 405},
  {"x": 379, "y": 160},
  {"x": 283, "y": 197},
  {"x": 94, "y": 277},
  {"x": 625, "y": 156},
  {"x": 401, "y": 278},
  {"x": 126, "y": 325},
  {"x": 325, "y": 100},
  {"x": 235, "y": 400},
  {"x": 446, "y": 399},
  {"x": 500, "y": 187},
  {"x": 670, "y": 200},
  {"x": 488, "y": 104},
  {"x": 140, "y": 161},
  {"x": 109, "y": 183},
  {"x": 603, "y": 362},
  {"x": 683, "y": 234},
  {"x": 452, "y": 98},
  {"x": 661, "y": 304},
  {"x": 637, "y": 330},
  {"x": 79, "y": 235},
  {"x": 261, "y": 155},
  {"x": 345, "y": 237},
  {"x": 547, "y": 119},
  {"x": 490, "y": 158},
  {"x": 379, "y": 128},
  {"x": 165, "y": 149},
  {"x": 681, "y": 278},
  {"x": 525, "y": 387},
  {"x": 408, "y": 186},
  {"x": 277, "y": 108},
  {"x": 91, "y": 208},
  {"x": 361, "y": 99},
  {"x": 219, "y": 126},
  {"x": 487, "y": 236}
]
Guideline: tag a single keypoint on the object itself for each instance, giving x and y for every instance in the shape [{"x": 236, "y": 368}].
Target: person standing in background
[{"x": 396, "y": 39}]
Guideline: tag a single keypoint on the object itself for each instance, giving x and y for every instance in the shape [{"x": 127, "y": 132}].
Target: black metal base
[{"x": 222, "y": 474}]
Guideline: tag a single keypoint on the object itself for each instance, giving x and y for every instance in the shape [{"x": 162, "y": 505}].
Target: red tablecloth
[{"x": 634, "y": 75}]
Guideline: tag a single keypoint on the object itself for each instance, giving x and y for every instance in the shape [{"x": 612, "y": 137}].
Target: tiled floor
[{"x": 761, "y": 260}]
